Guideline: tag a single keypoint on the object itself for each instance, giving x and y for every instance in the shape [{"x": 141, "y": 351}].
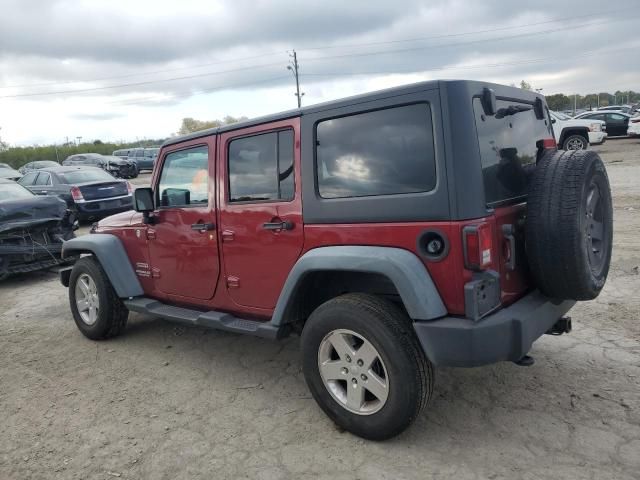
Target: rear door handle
[
  {"x": 286, "y": 225},
  {"x": 203, "y": 227}
]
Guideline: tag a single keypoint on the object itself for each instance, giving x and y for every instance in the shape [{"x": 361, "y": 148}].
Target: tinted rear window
[
  {"x": 383, "y": 152},
  {"x": 88, "y": 175},
  {"x": 508, "y": 148}
]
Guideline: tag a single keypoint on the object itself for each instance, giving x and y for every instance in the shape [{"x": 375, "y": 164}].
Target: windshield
[
  {"x": 13, "y": 191},
  {"x": 560, "y": 116},
  {"x": 84, "y": 176}
]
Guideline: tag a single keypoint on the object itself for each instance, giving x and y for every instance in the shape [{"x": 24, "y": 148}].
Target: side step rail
[{"x": 211, "y": 319}]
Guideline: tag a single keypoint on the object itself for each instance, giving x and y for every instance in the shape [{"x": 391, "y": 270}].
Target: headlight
[{"x": 595, "y": 127}]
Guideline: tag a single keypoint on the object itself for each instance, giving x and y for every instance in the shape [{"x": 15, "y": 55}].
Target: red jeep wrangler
[{"x": 428, "y": 225}]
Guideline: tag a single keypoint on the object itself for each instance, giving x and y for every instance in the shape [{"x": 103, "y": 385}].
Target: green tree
[
  {"x": 525, "y": 85},
  {"x": 190, "y": 125},
  {"x": 559, "y": 101}
]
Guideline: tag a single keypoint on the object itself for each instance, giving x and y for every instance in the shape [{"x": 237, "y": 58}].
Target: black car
[
  {"x": 617, "y": 122},
  {"x": 32, "y": 229},
  {"x": 37, "y": 165},
  {"x": 116, "y": 166},
  {"x": 90, "y": 192}
]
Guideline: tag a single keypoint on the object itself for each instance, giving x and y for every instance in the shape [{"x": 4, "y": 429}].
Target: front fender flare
[
  {"x": 409, "y": 276},
  {"x": 111, "y": 254}
]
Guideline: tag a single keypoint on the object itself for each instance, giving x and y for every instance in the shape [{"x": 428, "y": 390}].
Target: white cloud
[{"x": 69, "y": 45}]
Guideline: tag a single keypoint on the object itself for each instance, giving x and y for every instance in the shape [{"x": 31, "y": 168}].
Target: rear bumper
[
  {"x": 505, "y": 335},
  {"x": 104, "y": 208}
]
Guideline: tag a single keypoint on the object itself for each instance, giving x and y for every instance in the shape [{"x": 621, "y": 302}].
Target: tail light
[
  {"x": 549, "y": 143},
  {"x": 129, "y": 188},
  {"x": 477, "y": 242},
  {"x": 76, "y": 194}
]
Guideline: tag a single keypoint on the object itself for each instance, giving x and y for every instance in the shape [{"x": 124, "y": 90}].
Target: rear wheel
[
  {"x": 97, "y": 310},
  {"x": 364, "y": 366}
]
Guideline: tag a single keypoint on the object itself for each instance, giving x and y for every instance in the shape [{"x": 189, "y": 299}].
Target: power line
[
  {"x": 460, "y": 34},
  {"x": 555, "y": 58},
  {"x": 153, "y": 72},
  {"x": 495, "y": 65},
  {"x": 137, "y": 84},
  {"x": 445, "y": 45},
  {"x": 389, "y": 42},
  {"x": 200, "y": 92}
]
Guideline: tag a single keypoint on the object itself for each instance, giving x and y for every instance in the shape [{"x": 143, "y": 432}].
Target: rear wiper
[{"x": 512, "y": 110}]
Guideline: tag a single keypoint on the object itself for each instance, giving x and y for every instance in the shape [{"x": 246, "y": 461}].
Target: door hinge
[
  {"x": 233, "y": 282},
  {"x": 151, "y": 234}
]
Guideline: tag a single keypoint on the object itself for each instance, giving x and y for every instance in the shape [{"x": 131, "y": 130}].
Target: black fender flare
[
  {"x": 111, "y": 254},
  {"x": 402, "y": 267}
]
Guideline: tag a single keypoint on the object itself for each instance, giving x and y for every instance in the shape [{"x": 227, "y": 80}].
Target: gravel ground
[{"x": 165, "y": 401}]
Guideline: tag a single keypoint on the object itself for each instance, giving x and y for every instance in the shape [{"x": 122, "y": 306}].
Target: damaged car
[{"x": 32, "y": 230}]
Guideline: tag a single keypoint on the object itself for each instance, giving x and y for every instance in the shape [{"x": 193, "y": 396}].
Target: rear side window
[
  {"x": 43, "y": 179},
  {"x": 383, "y": 152},
  {"x": 508, "y": 144},
  {"x": 28, "y": 179},
  {"x": 185, "y": 178},
  {"x": 261, "y": 167}
]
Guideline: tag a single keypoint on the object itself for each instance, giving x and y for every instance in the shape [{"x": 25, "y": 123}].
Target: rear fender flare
[
  {"x": 111, "y": 254},
  {"x": 408, "y": 274}
]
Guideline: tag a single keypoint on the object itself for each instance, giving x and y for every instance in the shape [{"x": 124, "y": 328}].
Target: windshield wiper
[{"x": 512, "y": 110}]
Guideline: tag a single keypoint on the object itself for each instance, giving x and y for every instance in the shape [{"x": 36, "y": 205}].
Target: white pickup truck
[{"x": 576, "y": 134}]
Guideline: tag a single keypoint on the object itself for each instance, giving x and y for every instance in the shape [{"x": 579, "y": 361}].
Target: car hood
[
  {"x": 29, "y": 212},
  {"x": 118, "y": 220},
  {"x": 582, "y": 122}
]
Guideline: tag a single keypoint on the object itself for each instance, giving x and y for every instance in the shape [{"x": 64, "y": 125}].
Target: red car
[{"x": 428, "y": 225}]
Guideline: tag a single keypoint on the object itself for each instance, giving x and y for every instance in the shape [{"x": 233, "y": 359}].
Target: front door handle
[
  {"x": 203, "y": 227},
  {"x": 286, "y": 225}
]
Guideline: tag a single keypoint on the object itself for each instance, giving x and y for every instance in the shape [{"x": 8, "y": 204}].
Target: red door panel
[
  {"x": 185, "y": 261},
  {"x": 257, "y": 257}
]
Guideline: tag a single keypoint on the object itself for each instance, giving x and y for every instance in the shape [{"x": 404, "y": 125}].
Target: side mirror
[
  {"x": 143, "y": 200},
  {"x": 488, "y": 100},
  {"x": 553, "y": 120}
]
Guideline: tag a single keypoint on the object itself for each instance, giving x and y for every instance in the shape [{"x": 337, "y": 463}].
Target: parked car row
[
  {"x": 144, "y": 158},
  {"x": 116, "y": 166}
]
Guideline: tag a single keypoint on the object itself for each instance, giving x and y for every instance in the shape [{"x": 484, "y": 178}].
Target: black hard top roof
[
  {"x": 366, "y": 97},
  {"x": 353, "y": 100}
]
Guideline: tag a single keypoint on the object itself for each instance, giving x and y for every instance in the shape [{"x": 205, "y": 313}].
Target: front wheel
[
  {"x": 97, "y": 310},
  {"x": 575, "y": 142},
  {"x": 364, "y": 366}
]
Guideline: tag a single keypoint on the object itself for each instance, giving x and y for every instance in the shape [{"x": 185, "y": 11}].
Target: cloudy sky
[{"x": 132, "y": 69}]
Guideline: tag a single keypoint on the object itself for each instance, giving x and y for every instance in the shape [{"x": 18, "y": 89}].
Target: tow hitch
[{"x": 561, "y": 326}]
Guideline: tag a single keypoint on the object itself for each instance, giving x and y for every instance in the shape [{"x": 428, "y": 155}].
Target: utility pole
[
  {"x": 79, "y": 138},
  {"x": 293, "y": 66},
  {"x": 575, "y": 103}
]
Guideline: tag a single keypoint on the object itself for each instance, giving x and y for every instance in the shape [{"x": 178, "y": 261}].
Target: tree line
[{"x": 591, "y": 101}]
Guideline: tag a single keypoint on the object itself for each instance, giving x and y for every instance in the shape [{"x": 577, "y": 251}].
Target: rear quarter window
[
  {"x": 383, "y": 152},
  {"x": 508, "y": 148}
]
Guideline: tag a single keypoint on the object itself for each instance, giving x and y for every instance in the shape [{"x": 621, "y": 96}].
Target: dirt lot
[{"x": 164, "y": 401}]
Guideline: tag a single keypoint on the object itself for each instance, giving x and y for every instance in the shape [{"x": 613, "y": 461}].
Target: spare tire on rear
[{"x": 569, "y": 226}]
